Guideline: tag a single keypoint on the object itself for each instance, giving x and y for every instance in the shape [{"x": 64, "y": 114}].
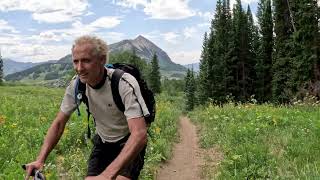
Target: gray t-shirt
[{"x": 111, "y": 123}]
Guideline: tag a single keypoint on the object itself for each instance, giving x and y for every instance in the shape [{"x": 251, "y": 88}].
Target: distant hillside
[
  {"x": 51, "y": 71},
  {"x": 58, "y": 70},
  {"x": 10, "y": 66},
  {"x": 194, "y": 66}
]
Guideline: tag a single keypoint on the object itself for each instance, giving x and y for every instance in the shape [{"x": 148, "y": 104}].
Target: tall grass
[
  {"x": 263, "y": 141},
  {"x": 26, "y": 113}
]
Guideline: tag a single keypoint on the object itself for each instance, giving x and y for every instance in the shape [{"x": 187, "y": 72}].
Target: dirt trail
[{"x": 187, "y": 157}]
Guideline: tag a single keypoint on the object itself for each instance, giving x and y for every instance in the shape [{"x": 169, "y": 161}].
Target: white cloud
[
  {"x": 48, "y": 11},
  {"x": 201, "y": 25},
  {"x": 24, "y": 48},
  {"x": 9, "y": 40},
  {"x": 77, "y": 29},
  {"x": 153, "y": 35},
  {"x": 35, "y": 52},
  {"x": 130, "y": 3},
  {"x": 113, "y": 37},
  {"x": 171, "y": 37},
  {"x": 160, "y": 9},
  {"x": 106, "y": 22},
  {"x": 49, "y": 36},
  {"x": 32, "y": 29},
  {"x": 207, "y": 16},
  {"x": 189, "y": 32},
  {"x": 89, "y": 13},
  {"x": 48, "y": 45},
  {"x": 185, "y": 57},
  {"x": 4, "y": 26},
  {"x": 168, "y": 9},
  {"x": 232, "y": 2}
]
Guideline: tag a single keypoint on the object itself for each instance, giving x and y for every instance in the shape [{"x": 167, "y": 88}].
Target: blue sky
[{"x": 41, "y": 30}]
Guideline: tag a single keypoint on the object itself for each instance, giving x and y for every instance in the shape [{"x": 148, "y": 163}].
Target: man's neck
[{"x": 100, "y": 79}]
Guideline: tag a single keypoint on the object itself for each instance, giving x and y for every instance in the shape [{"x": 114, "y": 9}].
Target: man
[{"x": 120, "y": 142}]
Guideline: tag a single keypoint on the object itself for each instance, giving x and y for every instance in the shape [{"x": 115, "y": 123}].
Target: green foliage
[
  {"x": 172, "y": 87},
  {"x": 304, "y": 16},
  {"x": 229, "y": 55},
  {"x": 203, "y": 73},
  {"x": 262, "y": 141},
  {"x": 190, "y": 89},
  {"x": 68, "y": 75},
  {"x": 263, "y": 67},
  {"x": 154, "y": 76},
  {"x": 26, "y": 113},
  {"x": 240, "y": 59},
  {"x": 47, "y": 71},
  {"x": 130, "y": 58},
  {"x": 51, "y": 75},
  {"x": 283, "y": 56}
]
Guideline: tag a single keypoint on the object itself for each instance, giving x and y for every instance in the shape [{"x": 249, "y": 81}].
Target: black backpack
[{"x": 119, "y": 70}]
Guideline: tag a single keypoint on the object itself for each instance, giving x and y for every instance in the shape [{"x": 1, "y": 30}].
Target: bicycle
[{"x": 37, "y": 174}]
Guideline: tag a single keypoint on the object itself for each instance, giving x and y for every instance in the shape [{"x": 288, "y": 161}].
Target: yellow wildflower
[
  {"x": 157, "y": 130},
  {"x": 2, "y": 119},
  {"x": 66, "y": 131},
  {"x": 14, "y": 125},
  {"x": 43, "y": 119}
]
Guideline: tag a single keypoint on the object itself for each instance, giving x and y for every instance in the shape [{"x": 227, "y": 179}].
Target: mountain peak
[
  {"x": 143, "y": 41},
  {"x": 140, "y": 37},
  {"x": 145, "y": 49}
]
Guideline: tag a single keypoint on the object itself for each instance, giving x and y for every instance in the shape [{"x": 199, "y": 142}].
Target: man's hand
[{"x": 33, "y": 165}]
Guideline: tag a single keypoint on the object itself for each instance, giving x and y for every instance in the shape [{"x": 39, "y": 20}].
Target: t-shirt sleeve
[
  {"x": 68, "y": 104},
  {"x": 131, "y": 97}
]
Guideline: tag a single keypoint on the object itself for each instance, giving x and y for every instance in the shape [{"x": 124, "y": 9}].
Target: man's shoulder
[
  {"x": 125, "y": 78},
  {"x": 72, "y": 82}
]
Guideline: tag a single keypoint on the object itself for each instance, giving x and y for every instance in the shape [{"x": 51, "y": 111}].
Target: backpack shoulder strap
[
  {"x": 80, "y": 94},
  {"x": 115, "y": 79}
]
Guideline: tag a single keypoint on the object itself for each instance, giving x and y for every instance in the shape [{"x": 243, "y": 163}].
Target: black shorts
[{"x": 104, "y": 153}]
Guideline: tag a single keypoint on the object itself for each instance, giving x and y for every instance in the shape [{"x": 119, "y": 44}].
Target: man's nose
[{"x": 79, "y": 66}]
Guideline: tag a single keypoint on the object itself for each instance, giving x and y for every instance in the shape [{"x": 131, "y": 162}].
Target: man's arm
[
  {"x": 135, "y": 143},
  {"x": 53, "y": 135}
]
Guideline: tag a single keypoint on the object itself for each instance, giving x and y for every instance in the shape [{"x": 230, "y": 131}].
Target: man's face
[{"x": 87, "y": 65}]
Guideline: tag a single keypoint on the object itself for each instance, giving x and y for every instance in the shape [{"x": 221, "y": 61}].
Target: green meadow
[
  {"x": 26, "y": 113},
  {"x": 262, "y": 141},
  {"x": 257, "y": 141}
]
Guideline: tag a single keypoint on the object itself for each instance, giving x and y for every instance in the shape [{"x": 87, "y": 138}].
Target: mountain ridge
[
  {"x": 143, "y": 48},
  {"x": 11, "y": 66}
]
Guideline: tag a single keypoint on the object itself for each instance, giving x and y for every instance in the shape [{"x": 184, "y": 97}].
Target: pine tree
[
  {"x": 216, "y": 66},
  {"x": 264, "y": 60},
  {"x": 231, "y": 55},
  {"x": 241, "y": 54},
  {"x": 155, "y": 77},
  {"x": 134, "y": 59},
  {"x": 203, "y": 72},
  {"x": 253, "y": 45},
  {"x": 304, "y": 18},
  {"x": 1, "y": 69},
  {"x": 190, "y": 89},
  {"x": 283, "y": 54},
  {"x": 218, "y": 61},
  {"x": 211, "y": 60}
]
